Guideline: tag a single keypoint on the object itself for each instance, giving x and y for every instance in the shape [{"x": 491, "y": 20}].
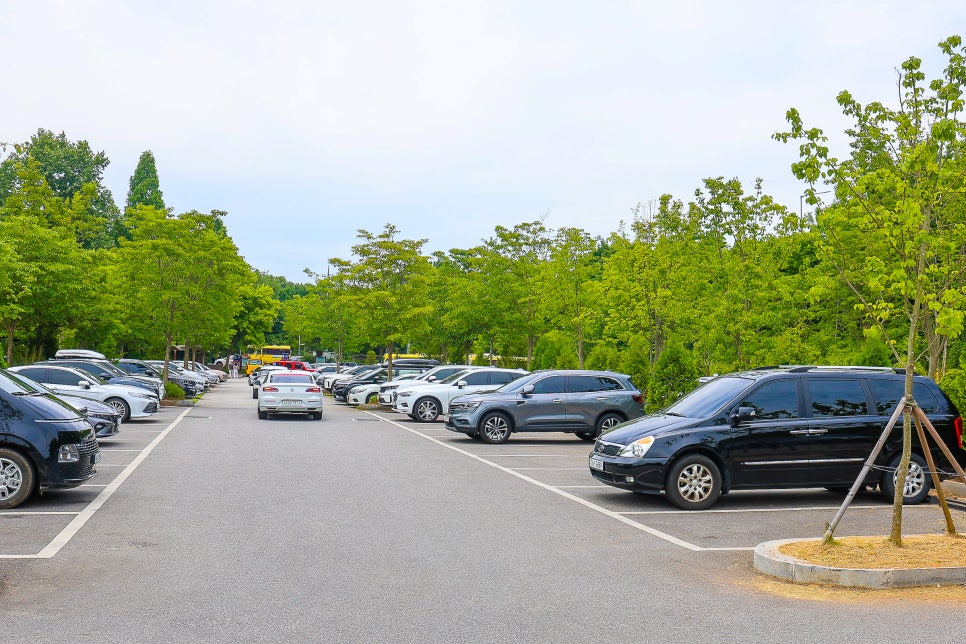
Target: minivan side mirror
[{"x": 742, "y": 414}]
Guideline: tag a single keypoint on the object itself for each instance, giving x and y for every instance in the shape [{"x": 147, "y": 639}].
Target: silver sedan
[{"x": 289, "y": 392}]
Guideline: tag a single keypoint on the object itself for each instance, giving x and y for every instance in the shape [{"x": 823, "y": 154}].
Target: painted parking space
[
  {"x": 737, "y": 522},
  {"x": 41, "y": 526}
]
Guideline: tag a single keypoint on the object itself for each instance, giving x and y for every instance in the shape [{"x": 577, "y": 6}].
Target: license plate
[
  {"x": 596, "y": 464},
  {"x": 292, "y": 403}
]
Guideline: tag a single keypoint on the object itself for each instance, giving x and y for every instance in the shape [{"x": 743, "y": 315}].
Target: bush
[
  {"x": 173, "y": 391},
  {"x": 674, "y": 375}
]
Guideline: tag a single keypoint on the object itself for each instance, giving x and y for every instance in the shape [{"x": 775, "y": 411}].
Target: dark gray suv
[{"x": 582, "y": 402}]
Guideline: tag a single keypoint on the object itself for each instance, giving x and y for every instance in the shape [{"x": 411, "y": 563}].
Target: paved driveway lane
[{"x": 352, "y": 529}]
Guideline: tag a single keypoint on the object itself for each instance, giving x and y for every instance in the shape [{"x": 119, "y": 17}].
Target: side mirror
[
  {"x": 527, "y": 390},
  {"x": 461, "y": 384},
  {"x": 742, "y": 414},
  {"x": 431, "y": 379},
  {"x": 105, "y": 375},
  {"x": 83, "y": 384},
  {"x": 151, "y": 373}
]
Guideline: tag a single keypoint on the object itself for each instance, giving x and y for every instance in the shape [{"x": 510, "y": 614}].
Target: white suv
[
  {"x": 389, "y": 390},
  {"x": 428, "y": 403}
]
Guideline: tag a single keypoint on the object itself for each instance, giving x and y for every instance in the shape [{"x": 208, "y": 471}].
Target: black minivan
[
  {"x": 44, "y": 442},
  {"x": 776, "y": 427}
]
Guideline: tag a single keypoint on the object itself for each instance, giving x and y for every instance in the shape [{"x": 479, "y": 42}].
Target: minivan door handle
[
  {"x": 799, "y": 432},
  {"x": 820, "y": 430},
  {"x": 556, "y": 400}
]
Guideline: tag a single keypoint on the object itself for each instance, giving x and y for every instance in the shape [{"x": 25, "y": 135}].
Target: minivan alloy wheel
[
  {"x": 693, "y": 483},
  {"x": 16, "y": 478}
]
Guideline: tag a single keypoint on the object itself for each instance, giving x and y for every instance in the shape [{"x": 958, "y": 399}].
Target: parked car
[
  {"x": 189, "y": 386},
  {"x": 45, "y": 443},
  {"x": 108, "y": 372},
  {"x": 583, "y": 402},
  {"x": 428, "y": 403},
  {"x": 175, "y": 370},
  {"x": 289, "y": 392},
  {"x": 377, "y": 376},
  {"x": 130, "y": 402},
  {"x": 387, "y": 392},
  {"x": 105, "y": 419},
  {"x": 295, "y": 365},
  {"x": 369, "y": 393},
  {"x": 255, "y": 377},
  {"x": 329, "y": 380},
  {"x": 775, "y": 428}
]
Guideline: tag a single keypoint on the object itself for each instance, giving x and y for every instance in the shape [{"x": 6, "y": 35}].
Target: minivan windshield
[{"x": 708, "y": 398}]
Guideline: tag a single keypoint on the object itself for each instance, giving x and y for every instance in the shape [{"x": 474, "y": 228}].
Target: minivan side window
[
  {"x": 887, "y": 393},
  {"x": 837, "y": 397},
  {"x": 775, "y": 400}
]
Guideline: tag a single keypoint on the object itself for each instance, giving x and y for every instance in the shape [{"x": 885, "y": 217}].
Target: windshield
[
  {"x": 110, "y": 368},
  {"x": 708, "y": 398},
  {"x": 514, "y": 385}
]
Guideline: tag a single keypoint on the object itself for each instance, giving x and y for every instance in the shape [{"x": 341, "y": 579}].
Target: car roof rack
[
  {"x": 803, "y": 369},
  {"x": 86, "y": 354}
]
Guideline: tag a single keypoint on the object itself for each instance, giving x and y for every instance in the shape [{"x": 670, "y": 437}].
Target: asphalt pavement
[{"x": 209, "y": 524}]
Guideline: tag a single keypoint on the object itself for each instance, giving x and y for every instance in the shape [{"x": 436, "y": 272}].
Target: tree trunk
[{"x": 11, "y": 328}]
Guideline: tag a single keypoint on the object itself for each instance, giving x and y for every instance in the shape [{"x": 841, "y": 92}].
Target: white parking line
[
  {"x": 65, "y": 535},
  {"x": 582, "y": 487},
  {"x": 37, "y": 513},
  {"x": 550, "y": 469},
  {"x": 556, "y": 490},
  {"x": 742, "y": 510}
]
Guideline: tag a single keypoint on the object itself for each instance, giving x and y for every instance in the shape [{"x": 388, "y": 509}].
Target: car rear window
[
  {"x": 888, "y": 391},
  {"x": 290, "y": 378},
  {"x": 580, "y": 384}
]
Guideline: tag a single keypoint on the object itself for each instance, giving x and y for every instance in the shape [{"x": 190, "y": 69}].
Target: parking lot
[
  {"x": 737, "y": 522},
  {"x": 40, "y": 527}
]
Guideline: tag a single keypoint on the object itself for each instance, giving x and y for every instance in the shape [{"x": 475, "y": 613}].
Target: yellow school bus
[{"x": 267, "y": 355}]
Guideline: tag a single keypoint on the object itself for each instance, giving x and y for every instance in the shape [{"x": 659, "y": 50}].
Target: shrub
[{"x": 173, "y": 391}]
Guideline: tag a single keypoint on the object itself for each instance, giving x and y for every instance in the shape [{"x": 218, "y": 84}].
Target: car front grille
[
  {"x": 607, "y": 449},
  {"x": 88, "y": 447}
]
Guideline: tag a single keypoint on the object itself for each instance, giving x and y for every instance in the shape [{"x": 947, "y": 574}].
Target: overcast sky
[{"x": 309, "y": 120}]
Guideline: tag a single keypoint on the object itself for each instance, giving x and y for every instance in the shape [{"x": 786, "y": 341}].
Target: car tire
[
  {"x": 317, "y": 415},
  {"x": 693, "y": 482},
  {"x": 120, "y": 406},
  {"x": 426, "y": 410},
  {"x": 255, "y": 393},
  {"x": 16, "y": 478},
  {"x": 495, "y": 428},
  {"x": 262, "y": 414},
  {"x": 918, "y": 481},
  {"x": 604, "y": 424}
]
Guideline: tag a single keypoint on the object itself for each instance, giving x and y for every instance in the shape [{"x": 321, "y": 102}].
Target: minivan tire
[
  {"x": 693, "y": 482},
  {"x": 16, "y": 478},
  {"x": 918, "y": 481}
]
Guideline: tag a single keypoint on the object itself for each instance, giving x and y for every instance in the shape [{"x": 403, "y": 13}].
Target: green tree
[
  {"x": 674, "y": 375},
  {"x": 74, "y": 173},
  {"x": 144, "y": 188},
  {"x": 896, "y": 230},
  {"x": 388, "y": 285}
]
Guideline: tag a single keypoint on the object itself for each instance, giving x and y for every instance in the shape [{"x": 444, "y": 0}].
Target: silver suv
[{"x": 582, "y": 402}]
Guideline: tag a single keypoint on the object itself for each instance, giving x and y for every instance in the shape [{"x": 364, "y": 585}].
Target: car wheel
[
  {"x": 120, "y": 406},
  {"x": 317, "y": 415},
  {"x": 372, "y": 399},
  {"x": 426, "y": 410},
  {"x": 255, "y": 393},
  {"x": 605, "y": 423},
  {"x": 262, "y": 414},
  {"x": 494, "y": 428},
  {"x": 693, "y": 482},
  {"x": 16, "y": 478},
  {"x": 917, "y": 481}
]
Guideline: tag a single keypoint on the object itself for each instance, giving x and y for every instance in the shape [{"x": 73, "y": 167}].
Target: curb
[{"x": 770, "y": 561}]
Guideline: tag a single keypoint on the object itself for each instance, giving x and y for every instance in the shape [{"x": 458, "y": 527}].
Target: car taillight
[
  {"x": 639, "y": 398},
  {"x": 958, "y": 424},
  {"x": 269, "y": 388},
  {"x": 313, "y": 390}
]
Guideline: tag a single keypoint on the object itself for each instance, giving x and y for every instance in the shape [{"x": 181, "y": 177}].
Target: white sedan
[
  {"x": 289, "y": 392},
  {"x": 428, "y": 403},
  {"x": 369, "y": 393}
]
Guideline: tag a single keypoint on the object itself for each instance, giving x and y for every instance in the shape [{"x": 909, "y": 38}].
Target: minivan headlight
[
  {"x": 68, "y": 454},
  {"x": 638, "y": 448}
]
